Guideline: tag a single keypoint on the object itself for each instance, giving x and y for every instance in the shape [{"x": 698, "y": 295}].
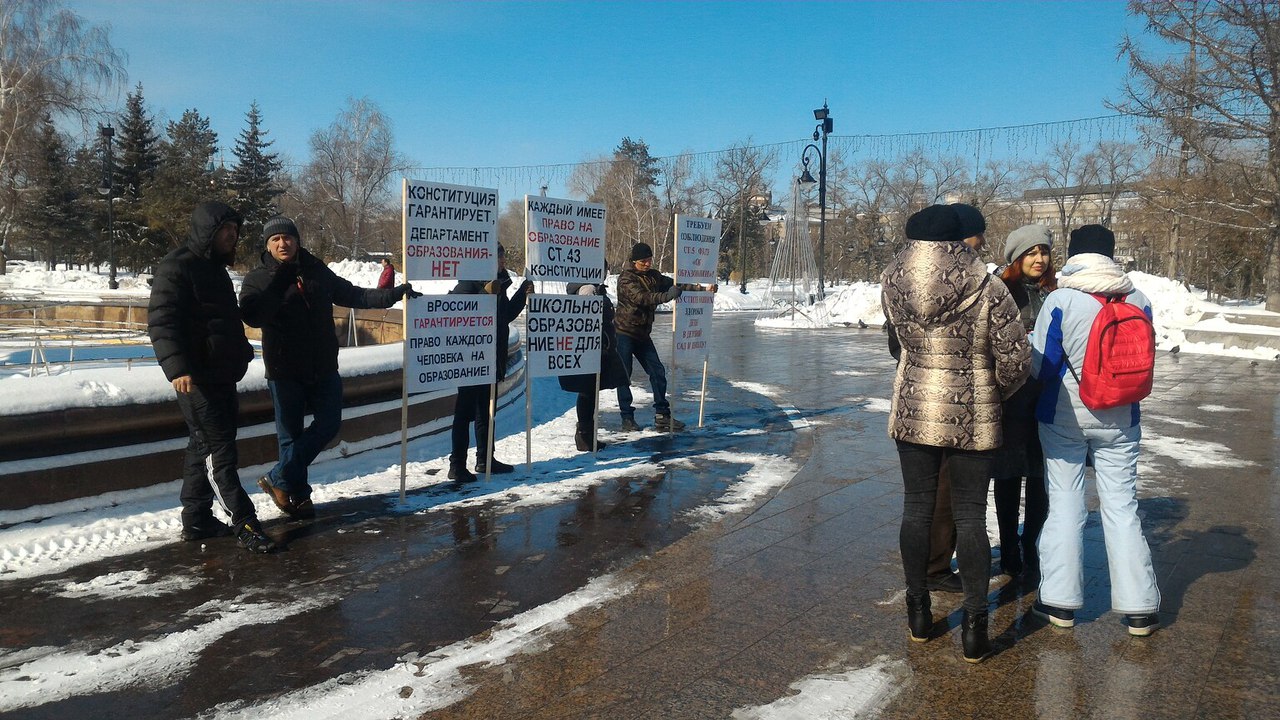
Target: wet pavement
[{"x": 734, "y": 614}]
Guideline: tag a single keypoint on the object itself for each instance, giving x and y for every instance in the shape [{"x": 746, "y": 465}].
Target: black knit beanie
[
  {"x": 1092, "y": 239},
  {"x": 641, "y": 251},
  {"x": 971, "y": 221},
  {"x": 280, "y": 225},
  {"x": 936, "y": 222}
]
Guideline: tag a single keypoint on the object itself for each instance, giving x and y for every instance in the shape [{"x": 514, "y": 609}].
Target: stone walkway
[{"x": 808, "y": 585}]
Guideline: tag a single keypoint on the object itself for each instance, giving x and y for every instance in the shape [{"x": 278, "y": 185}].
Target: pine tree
[
  {"x": 138, "y": 159},
  {"x": 184, "y": 178},
  {"x": 49, "y": 214},
  {"x": 138, "y": 153},
  {"x": 253, "y": 179}
]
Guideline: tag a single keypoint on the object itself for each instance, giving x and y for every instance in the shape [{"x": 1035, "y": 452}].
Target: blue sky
[{"x": 530, "y": 83}]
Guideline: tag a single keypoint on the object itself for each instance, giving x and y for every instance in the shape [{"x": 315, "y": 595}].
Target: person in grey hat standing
[
  {"x": 199, "y": 341},
  {"x": 641, "y": 289},
  {"x": 1030, "y": 277},
  {"x": 290, "y": 295}
]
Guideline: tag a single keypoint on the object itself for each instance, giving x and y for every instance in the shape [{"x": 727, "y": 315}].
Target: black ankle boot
[
  {"x": 919, "y": 617},
  {"x": 973, "y": 635}
]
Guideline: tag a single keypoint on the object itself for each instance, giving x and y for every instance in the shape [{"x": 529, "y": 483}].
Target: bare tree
[
  {"x": 511, "y": 233},
  {"x": 51, "y": 64},
  {"x": 991, "y": 191},
  {"x": 680, "y": 195},
  {"x": 1064, "y": 180},
  {"x": 1119, "y": 166},
  {"x": 1216, "y": 98},
  {"x": 737, "y": 189},
  {"x": 625, "y": 184},
  {"x": 348, "y": 179}
]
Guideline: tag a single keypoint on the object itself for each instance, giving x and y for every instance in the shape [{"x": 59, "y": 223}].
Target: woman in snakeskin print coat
[{"x": 963, "y": 351}]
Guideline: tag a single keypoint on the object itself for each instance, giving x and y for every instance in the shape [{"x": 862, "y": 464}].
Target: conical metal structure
[{"x": 793, "y": 279}]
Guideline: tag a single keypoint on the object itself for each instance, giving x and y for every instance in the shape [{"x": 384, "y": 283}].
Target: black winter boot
[
  {"x": 460, "y": 473},
  {"x": 973, "y": 635},
  {"x": 919, "y": 617},
  {"x": 583, "y": 437},
  {"x": 666, "y": 423}
]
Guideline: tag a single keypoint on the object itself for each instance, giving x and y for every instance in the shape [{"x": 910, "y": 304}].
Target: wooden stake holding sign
[{"x": 697, "y": 245}]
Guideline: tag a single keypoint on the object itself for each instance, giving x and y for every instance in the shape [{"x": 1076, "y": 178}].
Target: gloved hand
[
  {"x": 284, "y": 276},
  {"x": 526, "y": 287},
  {"x": 672, "y": 294},
  {"x": 497, "y": 285},
  {"x": 406, "y": 289}
]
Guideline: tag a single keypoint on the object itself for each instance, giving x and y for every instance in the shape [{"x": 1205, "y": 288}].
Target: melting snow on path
[
  {"x": 419, "y": 684},
  {"x": 844, "y": 695},
  {"x": 44, "y": 675}
]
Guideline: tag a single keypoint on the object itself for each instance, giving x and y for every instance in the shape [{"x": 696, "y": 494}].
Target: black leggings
[{"x": 970, "y": 473}]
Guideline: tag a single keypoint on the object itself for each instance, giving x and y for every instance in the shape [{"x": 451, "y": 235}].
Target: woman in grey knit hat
[{"x": 1030, "y": 278}]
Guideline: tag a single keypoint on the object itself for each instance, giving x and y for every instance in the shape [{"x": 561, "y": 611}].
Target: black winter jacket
[
  {"x": 1029, "y": 297},
  {"x": 293, "y": 304},
  {"x": 193, "y": 319},
  {"x": 508, "y": 309}
]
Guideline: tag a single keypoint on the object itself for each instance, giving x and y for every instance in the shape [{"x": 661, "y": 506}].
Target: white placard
[
  {"x": 450, "y": 232},
  {"x": 564, "y": 240},
  {"x": 564, "y": 334},
  {"x": 697, "y": 250},
  {"x": 452, "y": 342},
  {"x": 693, "y": 311}
]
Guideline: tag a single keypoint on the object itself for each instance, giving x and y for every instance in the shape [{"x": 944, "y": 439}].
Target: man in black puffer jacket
[
  {"x": 199, "y": 341},
  {"x": 290, "y": 295}
]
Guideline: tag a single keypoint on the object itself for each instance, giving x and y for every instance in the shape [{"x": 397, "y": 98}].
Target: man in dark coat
[
  {"x": 199, "y": 341},
  {"x": 641, "y": 289},
  {"x": 472, "y": 403},
  {"x": 290, "y": 295}
]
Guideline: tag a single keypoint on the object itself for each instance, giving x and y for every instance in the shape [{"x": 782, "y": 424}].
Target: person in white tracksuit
[{"x": 1071, "y": 434}]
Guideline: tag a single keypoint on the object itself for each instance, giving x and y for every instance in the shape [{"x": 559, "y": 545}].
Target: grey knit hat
[
  {"x": 279, "y": 225},
  {"x": 1025, "y": 238}
]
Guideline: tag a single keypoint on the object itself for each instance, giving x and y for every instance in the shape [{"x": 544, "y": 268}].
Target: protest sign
[
  {"x": 564, "y": 240},
  {"x": 693, "y": 325},
  {"x": 451, "y": 342},
  {"x": 564, "y": 334},
  {"x": 697, "y": 250},
  {"x": 450, "y": 232}
]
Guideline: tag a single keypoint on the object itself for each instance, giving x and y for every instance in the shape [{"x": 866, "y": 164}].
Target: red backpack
[{"x": 1120, "y": 357}]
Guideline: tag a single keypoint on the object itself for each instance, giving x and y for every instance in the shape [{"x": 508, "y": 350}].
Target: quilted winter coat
[
  {"x": 192, "y": 318},
  {"x": 963, "y": 346}
]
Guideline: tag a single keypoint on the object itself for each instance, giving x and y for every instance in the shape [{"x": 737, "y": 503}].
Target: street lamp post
[
  {"x": 820, "y": 131},
  {"x": 106, "y": 188},
  {"x": 742, "y": 242}
]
